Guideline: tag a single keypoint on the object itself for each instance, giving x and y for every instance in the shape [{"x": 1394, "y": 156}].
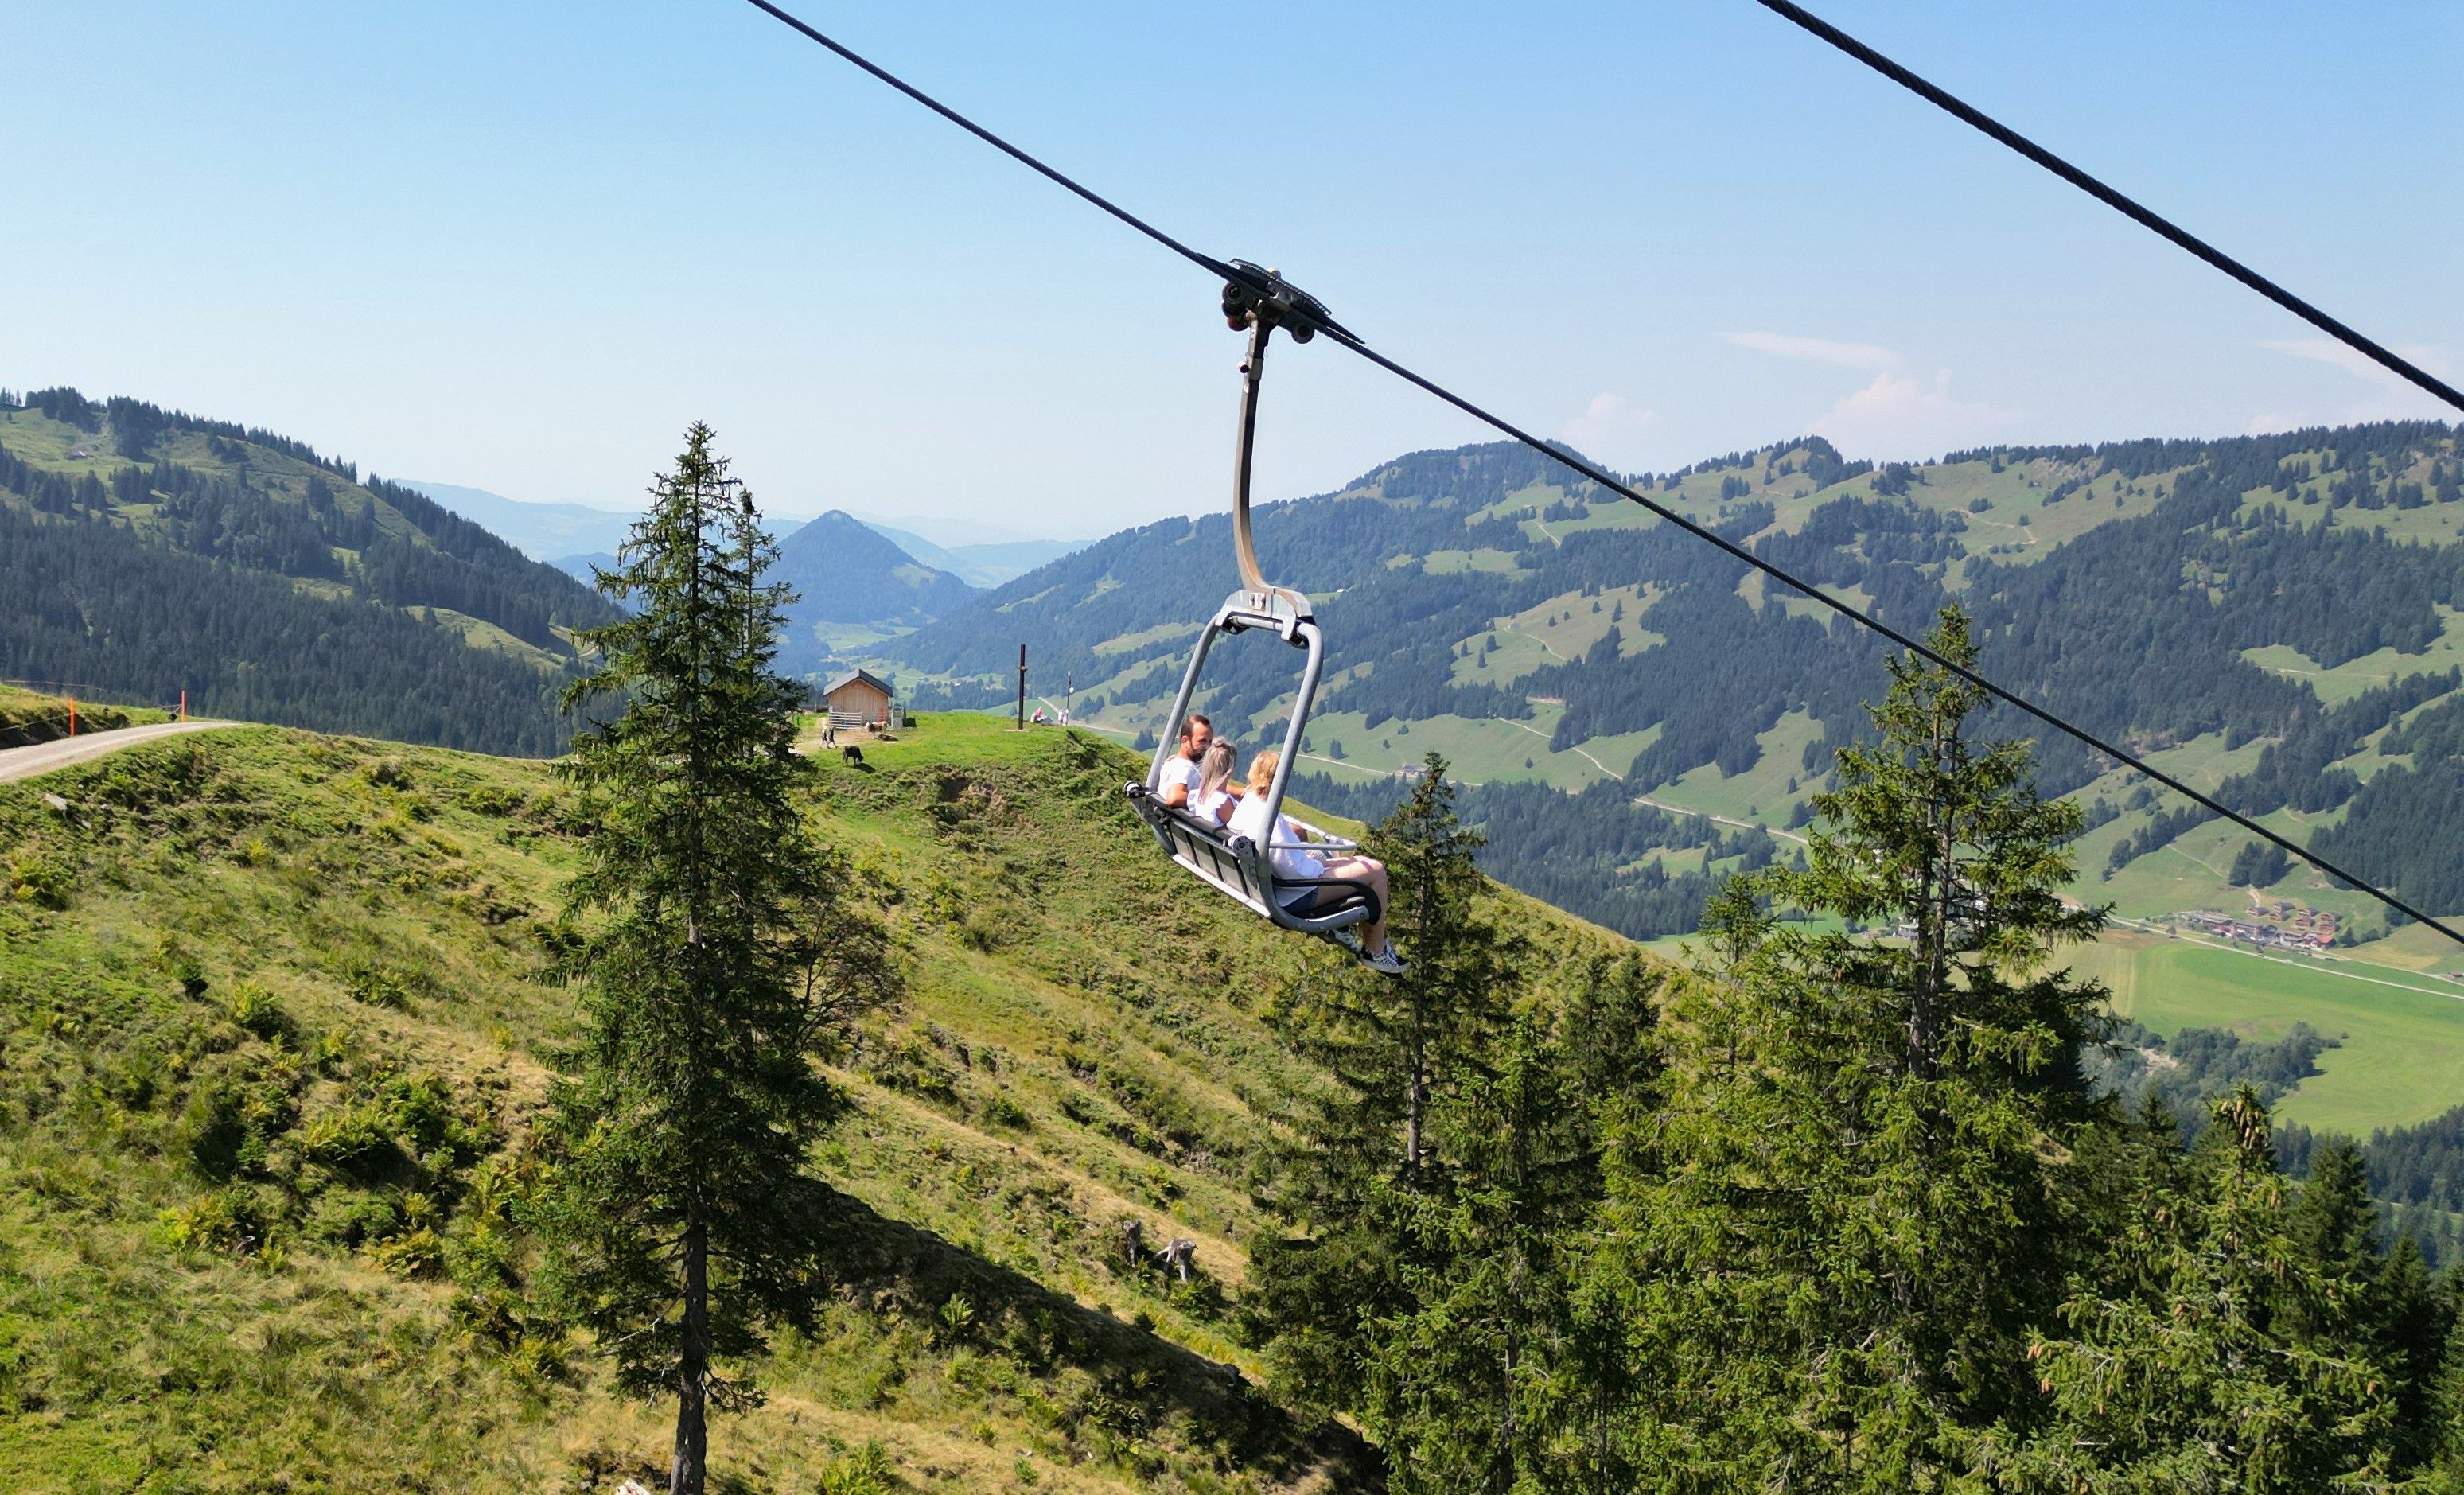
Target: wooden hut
[{"x": 858, "y": 698}]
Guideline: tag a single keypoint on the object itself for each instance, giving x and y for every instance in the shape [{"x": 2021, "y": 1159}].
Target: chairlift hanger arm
[{"x": 1258, "y": 300}]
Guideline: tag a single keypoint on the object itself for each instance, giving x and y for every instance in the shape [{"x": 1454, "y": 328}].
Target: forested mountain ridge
[
  {"x": 268, "y": 1161},
  {"x": 145, "y": 552},
  {"x": 2273, "y": 611}
]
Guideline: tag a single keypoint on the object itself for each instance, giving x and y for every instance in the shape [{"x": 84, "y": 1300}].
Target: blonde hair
[
  {"x": 1261, "y": 769},
  {"x": 1215, "y": 770}
]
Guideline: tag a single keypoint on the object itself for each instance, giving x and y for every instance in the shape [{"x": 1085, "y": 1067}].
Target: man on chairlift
[{"x": 1180, "y": 770}]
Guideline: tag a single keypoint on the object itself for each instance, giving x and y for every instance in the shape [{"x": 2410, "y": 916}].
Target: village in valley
[{"x": 2274, "y": 923}]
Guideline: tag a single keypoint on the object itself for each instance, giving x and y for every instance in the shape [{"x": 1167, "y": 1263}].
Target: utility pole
[
  {"x": 1068, "y": 694},
  {"x": 1021, "y": 688}
]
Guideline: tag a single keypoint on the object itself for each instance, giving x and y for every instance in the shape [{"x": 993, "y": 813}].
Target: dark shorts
[{"x": 1315, "y": 900}]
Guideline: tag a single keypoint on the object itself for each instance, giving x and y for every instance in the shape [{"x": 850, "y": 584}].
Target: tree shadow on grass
[{"x": 1146, "y": 1383}]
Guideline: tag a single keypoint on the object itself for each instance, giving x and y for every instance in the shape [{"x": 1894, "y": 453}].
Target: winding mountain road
[{"x": 41, "y": 757}]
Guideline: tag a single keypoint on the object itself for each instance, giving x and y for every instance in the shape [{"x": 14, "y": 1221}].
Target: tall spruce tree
[
  {"x": 1459, "y": 1383},
  {"x": 724, "y": 947},
  {"x": 2444, "y": 1434},
  {"x": 1832, "y": 1236},
  {"x": 1439, "y": 1015},
  {"x": 1590, "y": 1393},
  {"x": 1362, "y": 1152},
  {"x": 2365, "y": 1304},
  {"x": 2413, "y": 1322}
]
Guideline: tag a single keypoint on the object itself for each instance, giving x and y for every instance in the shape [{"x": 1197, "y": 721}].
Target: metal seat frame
[{"x": 1238, "y": 866}]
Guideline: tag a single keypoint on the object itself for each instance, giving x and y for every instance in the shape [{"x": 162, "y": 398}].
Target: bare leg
[{"x": 1373, "y": 872}]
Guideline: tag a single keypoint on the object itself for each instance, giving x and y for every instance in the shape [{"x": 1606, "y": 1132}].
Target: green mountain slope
[
  {"x": 278, "y": 1022},
  {"x": 2276, "y": 616},
  {"x": 145, "y": 552}
]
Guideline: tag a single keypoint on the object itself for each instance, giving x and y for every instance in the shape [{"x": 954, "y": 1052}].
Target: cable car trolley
[{"x": 1257, "y": 300}]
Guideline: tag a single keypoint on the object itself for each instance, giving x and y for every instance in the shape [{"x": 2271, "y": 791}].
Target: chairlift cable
[
  {"x": 1208, "y": 262},
  {"x": 1249, "y": 277},
  {"x": 2146, "y": 217}
]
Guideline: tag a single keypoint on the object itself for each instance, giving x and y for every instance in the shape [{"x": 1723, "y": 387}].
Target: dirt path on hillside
[
  {"x": 1722, "y": 819},
  {"x": 41, "y": 757}
]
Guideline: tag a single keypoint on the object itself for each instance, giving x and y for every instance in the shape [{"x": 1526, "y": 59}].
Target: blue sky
[{"x": 520, "y": 246}]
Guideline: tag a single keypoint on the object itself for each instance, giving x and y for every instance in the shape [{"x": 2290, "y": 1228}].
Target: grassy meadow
[{"x": 280, "y": 1022}]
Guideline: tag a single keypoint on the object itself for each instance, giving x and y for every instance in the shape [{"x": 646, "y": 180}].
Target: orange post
[
  {"x": 72, "y": 716},
  {"x": 184, "y": 705}
]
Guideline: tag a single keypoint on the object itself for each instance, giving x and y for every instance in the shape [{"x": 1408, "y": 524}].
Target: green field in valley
[
  {"x": 2400, "y": 1060},
  {"x": 2402, "y": 1056}
]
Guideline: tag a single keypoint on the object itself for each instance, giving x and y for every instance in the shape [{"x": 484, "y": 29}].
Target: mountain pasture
[{"x": 281, "y": 1014}]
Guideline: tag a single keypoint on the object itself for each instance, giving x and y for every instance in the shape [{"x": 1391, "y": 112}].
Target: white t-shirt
[
  {"x": 1207, "y": 804},
  {"x": 1179, "y": 769},
  {"x": 1249, "y": 819}
]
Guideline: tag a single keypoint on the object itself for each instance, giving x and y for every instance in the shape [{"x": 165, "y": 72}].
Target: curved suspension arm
[
  {"x": 1261, "y": 322},
  {"x": 1253, "y": 371}
]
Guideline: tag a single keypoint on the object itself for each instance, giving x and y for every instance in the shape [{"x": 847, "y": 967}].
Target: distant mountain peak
[
  {"x": 845, "y": 573},
  {"x": 986, "y": 564}
]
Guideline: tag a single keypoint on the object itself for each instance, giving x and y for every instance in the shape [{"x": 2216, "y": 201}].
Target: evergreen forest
[
  {"x": 146, "y": 552},
  {"x": 1837, "y": 1212}
]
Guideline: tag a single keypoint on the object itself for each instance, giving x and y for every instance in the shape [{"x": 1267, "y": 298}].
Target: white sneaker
[{"x": 1388, "y": 961}]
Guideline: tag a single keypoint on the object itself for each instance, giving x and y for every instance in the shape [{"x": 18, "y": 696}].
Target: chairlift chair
[{"x": 1257, "y": 300}]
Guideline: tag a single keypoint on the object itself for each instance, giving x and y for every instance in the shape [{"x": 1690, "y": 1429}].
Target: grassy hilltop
[
  {"x": 278, "y": 1023},
  {"x": 28, "y": 716}
]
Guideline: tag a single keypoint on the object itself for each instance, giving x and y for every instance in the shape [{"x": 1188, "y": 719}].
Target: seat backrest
[
  {"x": 1211, "y": 856},
  {"x": 1239, "y": 870}
]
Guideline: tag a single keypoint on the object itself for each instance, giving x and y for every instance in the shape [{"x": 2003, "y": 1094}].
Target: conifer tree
[
  {"x": 724, "y": 946},
  {"x": 1459, "y": 1383},
  {"x": 1452, "y": 999},
  {"x": 2414, "y": 1322},
  {"x": 1832, "y": 1236},
  {"x": 2212, "y": 1372},
  {"x": 1500, "y": 1375},
  {"x": 1613, "y": 1053},
  {"x": 2335, "y": 1222},
  {"x": 2364, "y": 1305},
  {"x": 1362, "y": 1151},
  {"x": 2444, "y": 1431}
]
